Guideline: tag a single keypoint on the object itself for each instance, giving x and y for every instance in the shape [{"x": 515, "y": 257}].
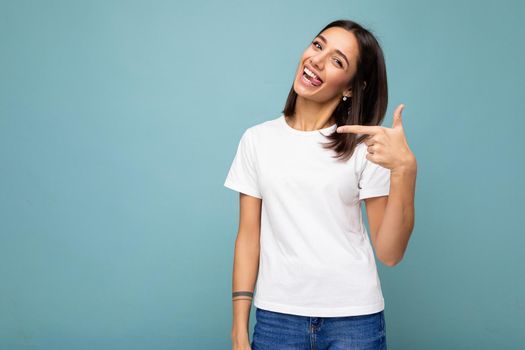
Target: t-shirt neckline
[{"x": 325, "y": 131}]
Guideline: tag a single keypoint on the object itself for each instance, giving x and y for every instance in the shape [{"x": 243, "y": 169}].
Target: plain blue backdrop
[{"x": 119, "y": 121}]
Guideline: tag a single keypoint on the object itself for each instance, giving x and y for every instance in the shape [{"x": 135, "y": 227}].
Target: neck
[{"x": 311, "y": 115}]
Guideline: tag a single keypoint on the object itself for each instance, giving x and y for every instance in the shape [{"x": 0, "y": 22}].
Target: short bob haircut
[{"x": 369, "y": 100}]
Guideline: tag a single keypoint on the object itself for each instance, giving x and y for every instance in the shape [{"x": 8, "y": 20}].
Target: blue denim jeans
[{"x": 280, "y": 331}]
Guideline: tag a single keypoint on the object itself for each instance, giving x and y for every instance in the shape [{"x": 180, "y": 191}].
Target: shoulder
[
  {"x": 361, "y": 151},
  {"x": 260, "y": 131}
]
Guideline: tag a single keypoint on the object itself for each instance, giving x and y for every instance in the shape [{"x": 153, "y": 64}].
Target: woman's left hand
[{"x": 387, "y": 147}]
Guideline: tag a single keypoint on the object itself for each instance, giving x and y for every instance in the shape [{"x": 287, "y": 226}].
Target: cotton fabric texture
[{"x": 316, "y": 258}]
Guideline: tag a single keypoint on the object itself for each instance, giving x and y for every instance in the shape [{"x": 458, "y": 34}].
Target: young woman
[{"x": 302, "y": 178}]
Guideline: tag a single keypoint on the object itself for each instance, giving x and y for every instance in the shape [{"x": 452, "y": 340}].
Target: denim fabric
[{"x": 280, "y": 331}]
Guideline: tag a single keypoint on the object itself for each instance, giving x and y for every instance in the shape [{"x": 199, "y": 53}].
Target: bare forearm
[
  {"x": 245, "y": 270},
  {"x": 398, "y": 220}
]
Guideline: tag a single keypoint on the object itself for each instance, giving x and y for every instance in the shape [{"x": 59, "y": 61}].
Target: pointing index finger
[{"x": 359, "y": 129}]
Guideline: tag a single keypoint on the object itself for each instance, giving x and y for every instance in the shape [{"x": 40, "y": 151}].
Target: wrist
[
  {"x": 239, "y": 335},
  {"x": 408, "y": 167}
]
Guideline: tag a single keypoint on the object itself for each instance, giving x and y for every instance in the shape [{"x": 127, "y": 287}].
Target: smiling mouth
[{"x": 311, "y": 77}]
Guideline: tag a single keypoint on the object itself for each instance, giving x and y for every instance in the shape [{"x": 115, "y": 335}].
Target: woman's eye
[{"x": 316, "y": 44}]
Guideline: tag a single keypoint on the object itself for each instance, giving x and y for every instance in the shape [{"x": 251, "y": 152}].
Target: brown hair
[{"x": 369, "y": 100}]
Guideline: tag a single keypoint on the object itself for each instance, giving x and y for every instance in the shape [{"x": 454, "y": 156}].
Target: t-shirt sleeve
[
  {"x": 374, "y": 180},
  {"x": 242, "y": 176}
]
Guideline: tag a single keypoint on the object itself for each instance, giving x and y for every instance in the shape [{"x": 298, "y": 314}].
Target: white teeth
[{"x": 310, "y": 73}]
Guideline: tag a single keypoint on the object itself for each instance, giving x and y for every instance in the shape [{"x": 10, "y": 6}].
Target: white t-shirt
[{"x": 316, "y": 258}]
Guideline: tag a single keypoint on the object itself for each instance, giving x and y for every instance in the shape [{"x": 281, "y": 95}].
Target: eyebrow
[{"x": 338, "y": 51}]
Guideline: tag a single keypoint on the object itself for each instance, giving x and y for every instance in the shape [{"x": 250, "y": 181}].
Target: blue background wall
[{"x": 120, "y": 119}]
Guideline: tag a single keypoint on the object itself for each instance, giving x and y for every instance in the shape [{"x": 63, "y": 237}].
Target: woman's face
[{"x": 332, "y": 57}]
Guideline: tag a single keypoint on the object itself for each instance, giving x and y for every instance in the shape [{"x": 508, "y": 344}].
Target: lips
[
  {"x": 307, "y": 70},
  {"x": 313, "y": 71},
  {"x": 308, "y": 81}
]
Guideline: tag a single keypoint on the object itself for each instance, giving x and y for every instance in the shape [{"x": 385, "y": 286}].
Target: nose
[{"x": 317, "y": 61}]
